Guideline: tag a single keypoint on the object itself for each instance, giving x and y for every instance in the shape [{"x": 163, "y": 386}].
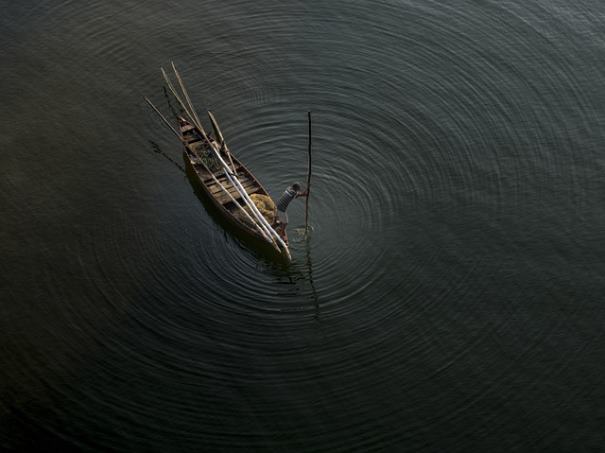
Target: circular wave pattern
[{"x": 445, "y": 293}]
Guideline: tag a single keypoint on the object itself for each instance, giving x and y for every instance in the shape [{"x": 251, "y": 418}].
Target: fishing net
[
  {"x": 205, "y": 156},
  {"x": 264, "y": 204},
  {"x": 210, "y": 161}
]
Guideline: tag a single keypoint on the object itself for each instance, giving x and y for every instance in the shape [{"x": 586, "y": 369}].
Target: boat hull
[{"x": 224, "y": 217}]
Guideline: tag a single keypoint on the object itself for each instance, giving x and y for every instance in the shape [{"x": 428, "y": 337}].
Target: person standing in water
[{"x": 289, "y": 194}]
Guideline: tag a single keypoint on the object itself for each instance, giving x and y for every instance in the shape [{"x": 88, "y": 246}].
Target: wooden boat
[
  {"x": 215, "y": 183},
  {"x": 231, "y": 188}
]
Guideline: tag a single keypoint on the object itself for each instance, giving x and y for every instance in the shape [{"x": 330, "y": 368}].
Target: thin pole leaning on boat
[
  {"x": 197, "y": 119},
  {"x": 171, "y": 88},
  {"x": 308, "y": 179},
  {"x": 193, "y": 115},
  {"x": 189, "y": 110},
  {"x": 219, "y": 135},
  {"x": 184, "y": 91},
  {"x": 166, "y": 122}
]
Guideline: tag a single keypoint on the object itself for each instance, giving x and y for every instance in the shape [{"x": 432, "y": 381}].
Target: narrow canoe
[{"x": 206, "y": 171}]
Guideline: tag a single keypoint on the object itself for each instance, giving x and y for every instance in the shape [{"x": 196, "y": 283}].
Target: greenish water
[{"x": 449, "y": 298}]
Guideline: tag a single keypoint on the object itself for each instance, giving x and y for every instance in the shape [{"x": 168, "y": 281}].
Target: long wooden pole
[
  {"x": 166, "y": 122},
  {"x": 185, "y": 93},
  {"x": 219, "y": 135},
  {"x": 308, "y": 178}
]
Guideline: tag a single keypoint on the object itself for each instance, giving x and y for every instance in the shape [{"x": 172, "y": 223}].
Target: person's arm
[{"x": 304, "y": 193}]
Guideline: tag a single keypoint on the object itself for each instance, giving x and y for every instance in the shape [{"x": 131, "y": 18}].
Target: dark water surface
[{"x": 449, "y": 299}]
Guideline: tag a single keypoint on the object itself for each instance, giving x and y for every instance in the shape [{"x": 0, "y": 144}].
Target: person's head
[{"x": 296, "y": 186}]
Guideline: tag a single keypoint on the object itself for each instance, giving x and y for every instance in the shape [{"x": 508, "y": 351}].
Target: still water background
[{"x": 450, "y": 297}]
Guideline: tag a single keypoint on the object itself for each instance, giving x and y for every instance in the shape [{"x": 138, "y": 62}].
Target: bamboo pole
[
  {"x": 185, "y": 93},
  {"x": 308, "y": 178},
  {"x": 163, "y": 118},
  {"x": 177, "y": 97},
  {"x": 219, "y": 135}
]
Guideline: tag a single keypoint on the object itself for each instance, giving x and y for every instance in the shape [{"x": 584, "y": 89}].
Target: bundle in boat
[{"x": 264, "y": 204}]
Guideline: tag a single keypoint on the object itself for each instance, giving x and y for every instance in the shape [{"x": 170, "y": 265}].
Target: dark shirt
[{"x": 289, "y": 195}]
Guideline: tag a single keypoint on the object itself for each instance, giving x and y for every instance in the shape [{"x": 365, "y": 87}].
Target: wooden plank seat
[
  {"x": 215, "y": 188},
  {"x": 208, "y": 179},
  {"x": 220, "y": 175}
]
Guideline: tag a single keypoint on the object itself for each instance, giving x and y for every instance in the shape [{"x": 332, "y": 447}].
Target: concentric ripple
[{"x": 448, "y": 297}]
